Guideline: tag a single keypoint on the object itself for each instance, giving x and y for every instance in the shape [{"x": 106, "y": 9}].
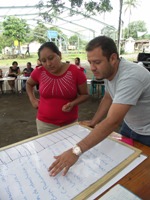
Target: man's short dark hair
[{"x": 107, "y": 45}]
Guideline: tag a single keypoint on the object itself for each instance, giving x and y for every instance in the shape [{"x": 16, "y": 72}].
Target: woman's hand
[
  {"x": 67, "y": 107},
  {"x": 35, "y": 103},
  {"x": 63, "y": 162}
]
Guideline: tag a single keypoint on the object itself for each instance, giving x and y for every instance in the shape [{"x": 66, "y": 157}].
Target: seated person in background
[
  {"x": 1, "y": 82},
  {"x": 14, "y": 71},
  {"x": 77, "y": 63},
  {"x": 26, "y": 72}
]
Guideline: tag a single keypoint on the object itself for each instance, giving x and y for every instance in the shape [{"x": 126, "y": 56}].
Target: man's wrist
[{"x": 77, "y": 150}]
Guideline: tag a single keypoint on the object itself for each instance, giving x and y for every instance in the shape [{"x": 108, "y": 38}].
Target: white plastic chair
[{"x": 6, "y": 85}]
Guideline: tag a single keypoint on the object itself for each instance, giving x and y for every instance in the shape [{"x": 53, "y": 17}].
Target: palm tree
[{"x": 129, "y": 5}]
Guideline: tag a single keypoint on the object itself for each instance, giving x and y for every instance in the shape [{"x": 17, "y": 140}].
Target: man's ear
[{"x": 113, "y": 58}]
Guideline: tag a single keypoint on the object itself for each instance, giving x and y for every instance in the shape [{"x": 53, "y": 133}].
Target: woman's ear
[{"x": 60, "y": 55}]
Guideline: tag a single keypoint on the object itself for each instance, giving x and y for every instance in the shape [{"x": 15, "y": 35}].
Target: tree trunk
[{"x": 119, "y": 26}]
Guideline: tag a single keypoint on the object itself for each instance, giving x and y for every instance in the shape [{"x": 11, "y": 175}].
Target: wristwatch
[{"x": 76, "y": 150}]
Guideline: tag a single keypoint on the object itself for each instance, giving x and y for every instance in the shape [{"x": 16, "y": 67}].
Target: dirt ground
[{"x": 17, "y": 117}]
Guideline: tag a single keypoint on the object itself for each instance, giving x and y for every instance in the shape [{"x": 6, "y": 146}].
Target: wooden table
[{"x": 138, "y": 180}]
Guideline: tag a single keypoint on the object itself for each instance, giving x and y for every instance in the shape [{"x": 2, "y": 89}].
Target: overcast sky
[{"x": 139, "y": 13}]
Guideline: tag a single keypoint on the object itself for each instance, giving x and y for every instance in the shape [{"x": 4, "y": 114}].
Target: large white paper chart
[{"x": 24, "y": 174}]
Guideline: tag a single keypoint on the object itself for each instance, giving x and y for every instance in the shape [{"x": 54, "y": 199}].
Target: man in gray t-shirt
[
  {"x": 131, "y": 86},
  {"x": 126, "y": 101}
]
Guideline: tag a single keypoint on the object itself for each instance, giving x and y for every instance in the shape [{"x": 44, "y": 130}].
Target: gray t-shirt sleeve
[{"x": 127, "y": 91}]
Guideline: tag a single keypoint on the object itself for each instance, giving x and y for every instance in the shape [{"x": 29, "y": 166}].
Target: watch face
[{"x": 77, "y": 150}]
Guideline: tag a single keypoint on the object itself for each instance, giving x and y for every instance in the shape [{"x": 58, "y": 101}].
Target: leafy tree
[
  {"x": 55, "y": 7},
  {"x": 40, "y": 33},
  {"x": 60, "y": 33},
  {"x": 129, "y": 5},
  {"x": 76, "y": 41},
  {"x": 108, "y": 31},
  {"x": 61, "y": 40},
  {"x": 5, "y": 42},
  {"x": 15, "y": 29},
  {"x": 86, "y": 8},
  {"x": 73, "y": 40},
  {"x": 30, "y": 37},
  {"x": 135, "y": 27}
]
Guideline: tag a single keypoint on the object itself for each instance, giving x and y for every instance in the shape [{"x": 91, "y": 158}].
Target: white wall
[{"x": 129, "y": 45}]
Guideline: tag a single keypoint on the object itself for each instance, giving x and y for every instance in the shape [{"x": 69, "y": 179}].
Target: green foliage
[
  {"x": 108, "y": 31},
  {"x": 146, "y": 36},
  {"x": 133, "y": 28},
  {"x": 94, "y": 7},
  {"x": 60, "y": 33},
  {"x": 40, "y": 33},
  {"x": 122, "y": 51},
  {"x": 73, "y": 40},
  {"x": 30, "y": 37},
  {"x": 130, "y": 4},
  {"x": 15, "y": 28},
  {"x": 56, "y": 7},
  {"x": 5, "y": 42}
]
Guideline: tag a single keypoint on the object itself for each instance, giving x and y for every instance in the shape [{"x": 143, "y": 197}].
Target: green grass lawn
[
  {"x": 21, "y": 61},
  {"x": 5, "y": 62}
]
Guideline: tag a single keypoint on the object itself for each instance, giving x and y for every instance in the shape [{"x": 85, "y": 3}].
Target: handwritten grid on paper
[{"x": 23, "y": 168}]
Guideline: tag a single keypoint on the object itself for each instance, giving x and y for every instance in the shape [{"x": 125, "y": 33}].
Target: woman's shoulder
[
  {"x": 39, "y": 67},
  {"x": 38, "y": 70},
  {"x": 73, "y": 67}
]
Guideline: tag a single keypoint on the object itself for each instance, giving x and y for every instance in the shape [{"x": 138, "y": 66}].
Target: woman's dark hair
[
  {"x": 29, "y": 63},
  {"x": 77, "y": 58},
  {"x": 14, "y": 62},
  {"x": 107, "y": 45},
  {"x": 51, "y": 46}
]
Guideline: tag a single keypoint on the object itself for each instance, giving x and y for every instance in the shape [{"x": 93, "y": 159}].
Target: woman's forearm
[
  {"x": 80, "y": 99},
  {"x": 30, "y": 91}
]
